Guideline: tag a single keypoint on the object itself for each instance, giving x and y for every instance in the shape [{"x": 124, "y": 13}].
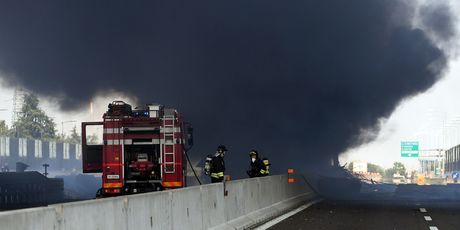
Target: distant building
[
  {"x": 431, "y": 163},
  {"x": 62, "y": 157},
  {"x": 452, "y": 160},
  {"x": 359, "y": 167}
]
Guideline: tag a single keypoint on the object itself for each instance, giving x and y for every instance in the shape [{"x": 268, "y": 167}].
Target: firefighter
[
  {"x": 256, "y": 166},
  {"x": 217, "y": 164},
  {"x": 266, "y": 163}
]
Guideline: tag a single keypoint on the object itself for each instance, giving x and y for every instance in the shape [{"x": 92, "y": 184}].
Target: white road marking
[
  {"x": 428, "y": 218},
  {"x": 285, "y": 216},
  {"x": 433, "y": 228},
  {"x": 422, "y": 210}
]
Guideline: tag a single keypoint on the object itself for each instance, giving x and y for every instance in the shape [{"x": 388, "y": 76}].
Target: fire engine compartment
[{"x": 143, "y": 163}]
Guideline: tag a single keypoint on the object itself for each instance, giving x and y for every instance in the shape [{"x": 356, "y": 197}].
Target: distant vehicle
[
  {"x": 455, "y": 176},
  {"x": 399, "y": 179},
  {"x": 143, "y": 149}
]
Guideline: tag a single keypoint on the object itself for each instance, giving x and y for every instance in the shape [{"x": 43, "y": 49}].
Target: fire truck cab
[{"x": 143, "y": 149}]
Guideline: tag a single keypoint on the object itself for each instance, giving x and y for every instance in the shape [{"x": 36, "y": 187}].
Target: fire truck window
[{"x": 94, "y": 135}]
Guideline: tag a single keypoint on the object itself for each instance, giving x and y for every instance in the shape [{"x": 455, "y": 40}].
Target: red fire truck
[{"x": 143, "y": 149}]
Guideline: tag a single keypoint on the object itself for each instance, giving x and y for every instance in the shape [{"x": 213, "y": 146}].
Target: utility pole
[{"x": 18, "y": 99}]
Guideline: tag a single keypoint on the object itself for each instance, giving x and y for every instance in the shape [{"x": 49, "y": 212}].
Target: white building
[{"x": 359, "y": 167}]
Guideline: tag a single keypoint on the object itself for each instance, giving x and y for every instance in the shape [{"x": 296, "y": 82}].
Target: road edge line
[{"x": 277, "y": 220}]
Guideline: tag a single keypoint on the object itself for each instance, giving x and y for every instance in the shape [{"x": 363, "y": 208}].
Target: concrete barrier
[
  {"x": 252, "y": 201},
  {"x": 29, "y": 219},
  {"x": 234, "y": 205}
]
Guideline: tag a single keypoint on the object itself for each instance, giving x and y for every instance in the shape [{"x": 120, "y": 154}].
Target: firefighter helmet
[
  {"x": 253, "y": 152},
  {"x": 221, "y": 149}
]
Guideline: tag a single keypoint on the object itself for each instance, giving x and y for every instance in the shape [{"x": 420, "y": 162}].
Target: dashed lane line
[{"x": 428, "y": 218}]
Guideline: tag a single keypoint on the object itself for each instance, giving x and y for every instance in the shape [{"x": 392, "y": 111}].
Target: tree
[
  {"x": 92, "y": 139},
  {"x": 399, "y": 168},
  {"x": 3, "y": 129},
  {"x": 74, "y": 137},
  {"x": 389, "y": 172},
  {"x": 373, "y": 168},
  {"x": 350, "y": 167},
  {"x": 33, "y": 122},
  {"x": 60, "y": 137}
]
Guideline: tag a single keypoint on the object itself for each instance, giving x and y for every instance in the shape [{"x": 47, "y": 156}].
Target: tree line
[
  {"x": 34, "y": 123},
  {"x": 398, "y": 168}
]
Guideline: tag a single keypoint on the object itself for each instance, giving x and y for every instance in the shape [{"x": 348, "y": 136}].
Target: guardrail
[{"x": 234, "y": 205}]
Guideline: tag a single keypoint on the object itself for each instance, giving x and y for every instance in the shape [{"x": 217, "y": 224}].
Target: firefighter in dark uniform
[
  {"x": 266, "y": 170},
  {"x": 218, "y": 165},
  {"x": 256, "y": 167}
]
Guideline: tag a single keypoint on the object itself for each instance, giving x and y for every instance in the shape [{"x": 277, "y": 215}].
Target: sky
[
  {"x": 419, "y": 118},
  {"x": 301, "y": 81},
  {"x": 428, "y": 118}
]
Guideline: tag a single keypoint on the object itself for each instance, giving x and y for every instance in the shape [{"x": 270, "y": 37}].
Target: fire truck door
[{"x": 91, "y": 154}]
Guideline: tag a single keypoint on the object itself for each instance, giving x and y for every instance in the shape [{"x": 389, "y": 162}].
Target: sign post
[{"x": 409, "y": 149}]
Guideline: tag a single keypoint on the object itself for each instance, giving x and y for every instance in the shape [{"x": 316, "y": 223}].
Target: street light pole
[{"x": 62, "y": 126}]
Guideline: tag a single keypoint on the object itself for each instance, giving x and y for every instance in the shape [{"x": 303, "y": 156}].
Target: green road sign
[{"x": 409, "y": 149}]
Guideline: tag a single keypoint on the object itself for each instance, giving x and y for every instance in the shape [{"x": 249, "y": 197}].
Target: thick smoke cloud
[
  {"x": 295, "y": 79},
  {"x": 437, "y": 20}
]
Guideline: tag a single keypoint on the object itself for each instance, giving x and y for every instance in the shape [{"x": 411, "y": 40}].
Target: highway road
[{"x": 382, "y": 215}]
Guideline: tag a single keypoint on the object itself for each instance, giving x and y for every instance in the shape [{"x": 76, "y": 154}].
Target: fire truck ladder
[{"x": 169, "y": 140}]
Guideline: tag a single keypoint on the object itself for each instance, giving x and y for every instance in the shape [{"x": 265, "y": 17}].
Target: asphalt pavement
[{"x": 381, "y": 215}]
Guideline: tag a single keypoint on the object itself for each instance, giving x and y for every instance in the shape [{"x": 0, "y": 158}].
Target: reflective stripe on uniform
[{"x": 217, "y": 175}]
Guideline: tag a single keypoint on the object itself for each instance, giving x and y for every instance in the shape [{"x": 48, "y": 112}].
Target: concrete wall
[{"x": 247, "y": 202}]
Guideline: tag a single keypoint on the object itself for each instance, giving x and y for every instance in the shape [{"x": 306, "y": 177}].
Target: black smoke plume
[{"x": 296, "y": 79}]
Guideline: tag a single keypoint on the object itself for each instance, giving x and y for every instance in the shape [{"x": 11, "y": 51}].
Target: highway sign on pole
[{"x": 409, "y": 149}]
